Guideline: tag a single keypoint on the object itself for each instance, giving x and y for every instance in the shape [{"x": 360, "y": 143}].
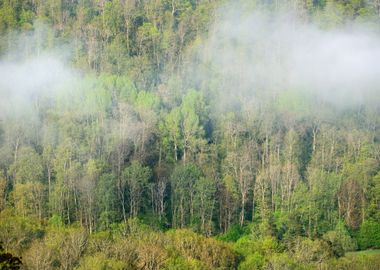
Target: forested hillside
[{"x": 190, "y": 134}]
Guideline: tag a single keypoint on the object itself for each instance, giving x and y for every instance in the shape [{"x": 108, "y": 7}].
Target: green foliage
[
  {"x": 283, "y": 261},
  {"x": 133, "y": 226},
  {"x": 253, "y": 261},
  {"x": 111, "y": 170},
  {"x": 171, "y": 133},
  {"x": 66, "y": 246},
  {"x": 56, "y": 221},
  {"x": 234, "y": 233},
  {"x": 340, "y": 240},
  {"x": 145, "y": 100},
  {"x": 309, "y": 251},
  {"x": 211, "y": 253},
  {"x": 355, "y": 261},
  {"x": 99, "y": 262},
  {"x": 293, "y": 101},
  {"x": 8, "y": 19},
  {"x": 16, "y": 233},
  {"x": 179, "y": 263},
  {"x": 29, "y": 198},
  {"x": 369, "y": 235},
  {"x": 204, "y": 203},
  {"x": 106, "y": 195},
  {"x": 27, "y": 167},
  {"x": 264, "y": 246},
  {"x": 183, "y": 180},
  {"x": 136, "y": 178}
]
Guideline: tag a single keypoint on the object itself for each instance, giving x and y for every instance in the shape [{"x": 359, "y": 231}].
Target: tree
[
  {"x": 204, "y": 203},
  {"x": 29, "y": 199},
  {"x": 106, "y": 201},
  {"x": 147, "y": 106},
  {"x": 183, "y": 181},
  {"x": 239, "y": 167},
  {"x": 87, "y": 186},
  {"x": 3, "y": 186},
  {"x": 27, "y": 167},
  {"x": 65, "y": 196},
  {"x": 290, "y": 170},
  {"x": 136, "y": 178},
  {"x": 171, "y": 132},
  {"x": 192, "y": 110},
  {"x": 29, "y": 191},
  {"x": 8, "y": 19}
]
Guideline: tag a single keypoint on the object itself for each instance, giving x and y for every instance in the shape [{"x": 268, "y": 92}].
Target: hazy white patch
[
  {"x": 32, "y": 72},
  {"x": 264, "y": 53},
  {"x": 32, "y": 76},
  {"x": 24, "y": 83}
]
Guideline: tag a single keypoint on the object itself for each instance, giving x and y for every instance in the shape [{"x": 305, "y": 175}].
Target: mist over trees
[{"x": 189, "y": 134}]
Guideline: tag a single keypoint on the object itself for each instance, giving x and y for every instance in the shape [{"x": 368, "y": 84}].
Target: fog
[
  {"x": 262, "y": 54},
  {"x": 35, "y": 68},
  {"x": 28, "y": 80},
  {"x": 33, "y": 77}
]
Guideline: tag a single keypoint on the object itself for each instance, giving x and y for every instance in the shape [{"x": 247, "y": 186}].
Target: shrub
[
  {"x": 369, "y": 235},
  {"x": 234, "y": 233},
  {"x": 282, "y": 261},
  {"x": 99, "y": 262},
  {"x": 308, "y": 251},
  {"x": 212, "y": 253},
  {"x": 252, "y": 262},
  {"x": 247, "y": 245},
  {"x": 340, "y": 240}
]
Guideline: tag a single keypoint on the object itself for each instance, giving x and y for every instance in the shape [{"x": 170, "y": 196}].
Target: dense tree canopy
[{"x": 151, "y": 157}]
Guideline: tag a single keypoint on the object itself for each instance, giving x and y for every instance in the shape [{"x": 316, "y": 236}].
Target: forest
[{"x": 190, "y": 134}]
